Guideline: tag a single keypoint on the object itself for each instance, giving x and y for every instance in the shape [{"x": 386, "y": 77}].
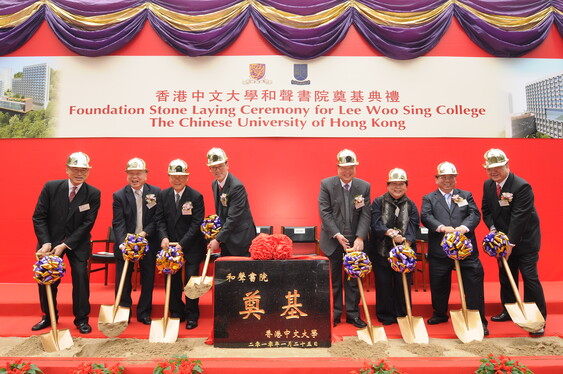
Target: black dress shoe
[
  {"x": 145, "y": 320},
  {"x": 434, "y": 320},
  {"x": 43, "y": 324},
  {"x": 357, "y": 322},
  {"x": 191, "y": 325},
  {"x": 388, "y": 322},
  {"x": 485, "y": 331},
  {"x": 537, "y": 334},
  {"x": 504, "y": 316},
  {"x": 84, "y": 328}
]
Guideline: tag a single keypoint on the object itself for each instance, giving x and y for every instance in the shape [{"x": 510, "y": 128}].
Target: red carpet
[{"x": 19, "y": 310}]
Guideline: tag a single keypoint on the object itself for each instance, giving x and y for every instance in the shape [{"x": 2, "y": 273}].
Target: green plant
[
  {"x": 20, "y": 367},
  {"x": 179, "y": 364},
  {"x": 501, "y": 365},
  {"x": 86, "y": 368},
  {"x": 380, "y": 367}
]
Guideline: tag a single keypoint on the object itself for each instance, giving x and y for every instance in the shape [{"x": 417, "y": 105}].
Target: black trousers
[
  {"x": 389, "y": 292},
  {"x": 472, "y": 275},
  {"x": 527, "y": 265},
  {"x": 178, "y": 309},
  {"x": 80, "y": 290},
  {"x": 147, "y": 268},
  {"x": 350, "y": 287}
]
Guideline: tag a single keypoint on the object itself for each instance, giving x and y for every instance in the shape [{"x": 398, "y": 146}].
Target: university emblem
[
  {"x": 300, "y": 74},
  {"x": 257, "y": 71}
]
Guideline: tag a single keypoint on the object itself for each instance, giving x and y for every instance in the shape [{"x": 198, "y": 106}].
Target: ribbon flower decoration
[
  {"x": 170, "y": 260},
  {"x": 134, "y": 247},
  {"x": 211, "y": 226},
  {"x": 356, "y": 264},
  {"x": 456, "y": 245},
  {"x": 495, "y": 244},
  {"x": 48, "y": 270},
  {"x": 402, "y": 258}
]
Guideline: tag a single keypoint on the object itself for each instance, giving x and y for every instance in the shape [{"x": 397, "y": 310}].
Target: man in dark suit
[
  {"x": 134, "y": 208},
  {"x": 344, "y": 205},
  {"x": 449, "y": 209},
  {"x": 64, "y": 216},
  {"x": 232, "y": 207},
  {"x": 508, "y": 206},
  {"x": 179, "y": 214}
]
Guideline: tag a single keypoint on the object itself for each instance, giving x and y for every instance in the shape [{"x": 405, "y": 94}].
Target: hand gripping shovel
[
  {"x": 198, "y": 286},
  {"x": 55, "y": 340},
  {"x": 412, "y": 328},
  {"x": 525, "y": 315},
  {"x": 467, "y": 323},
  {"x": 369, "y": 334},
  {"x": 113, "y": 319}
]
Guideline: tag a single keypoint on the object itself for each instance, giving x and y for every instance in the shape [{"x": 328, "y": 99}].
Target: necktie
[
  {"x": 72, "y": 194},
  {"x": 139, "y": 202},
  {"x": 347, "y": 187},
  {"x": 177, "y": 200},
  {"x": 448, "y": 197},
  {"x": 346, "y": 204},
  {"x": 498, "y": 190}
]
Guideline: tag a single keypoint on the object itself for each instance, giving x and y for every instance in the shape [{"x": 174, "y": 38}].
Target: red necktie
[
  {"x": 72, "y": 194},
  {"x": 498, "y": 190}
]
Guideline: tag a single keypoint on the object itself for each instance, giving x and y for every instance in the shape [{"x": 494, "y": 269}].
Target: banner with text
[{"x": 275, "y": 96}]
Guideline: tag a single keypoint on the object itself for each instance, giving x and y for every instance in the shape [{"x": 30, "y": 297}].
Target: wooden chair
[
  {"x": 421, "y": 257},
  {"x": 105, "y": 257},
  {"x": 303, "y": 234}
]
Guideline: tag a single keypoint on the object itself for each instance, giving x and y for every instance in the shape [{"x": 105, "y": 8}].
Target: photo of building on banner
[{"x": 274, "y": 96}]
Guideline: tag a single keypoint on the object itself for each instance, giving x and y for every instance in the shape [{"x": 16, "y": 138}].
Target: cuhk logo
[{"x": 300, "y": 74}]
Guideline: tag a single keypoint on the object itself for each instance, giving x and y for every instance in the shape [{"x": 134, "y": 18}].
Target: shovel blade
[
  {"x": 372, "y": 335},
  {"x": 197, "y": 287},
  {"x": 415, "y": 332},
  {"x": 531, "y": 320},
  {"x": 164, "y": 331},
  {"x": 467, "y": 329},
  {"x": 63, "y": 341},
  {"x": 106, "y": 314}
]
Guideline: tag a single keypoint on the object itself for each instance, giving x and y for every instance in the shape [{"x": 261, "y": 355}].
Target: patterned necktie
[
  {"x": 448, "y": 197},
  {"x": 139, "y": 202},
  {"x": 72, "y": 194},
  {"x": 499, "y": 188}
]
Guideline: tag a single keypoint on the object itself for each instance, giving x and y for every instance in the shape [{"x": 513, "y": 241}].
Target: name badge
[
  {"x": 503, "y": 202},
  {"x": 84, "y": 207},
  {"x": 462, "y": 203},
  {"x": 151, "y": 205}
]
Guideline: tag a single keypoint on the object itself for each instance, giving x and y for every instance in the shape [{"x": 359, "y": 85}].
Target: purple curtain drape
[{"x": 401, "y": 29}]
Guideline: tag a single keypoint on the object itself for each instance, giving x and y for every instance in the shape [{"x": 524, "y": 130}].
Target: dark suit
[
  {"x": 520, "y": 222},
  {"x": 183, "y": 228},
  {"x": 57, "y": 221},
  {"x": 389, "y": 213},
  {"x": 238, "y": 228},
  {"x": 435, "y": 212},
  {"x": 124, "y": 222},
  {"x": 332, "y": 207}
]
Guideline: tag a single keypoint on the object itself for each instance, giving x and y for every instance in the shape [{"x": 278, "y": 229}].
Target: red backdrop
[{"x": 282, "y": 175}]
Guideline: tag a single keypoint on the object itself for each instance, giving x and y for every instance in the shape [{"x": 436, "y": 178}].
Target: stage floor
[{"x": 19, "y": 310}]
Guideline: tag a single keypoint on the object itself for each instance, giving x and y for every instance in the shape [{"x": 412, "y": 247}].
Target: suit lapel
[
  {"x": 132, "y": 204},
  {"x": 442, "y": 200}
]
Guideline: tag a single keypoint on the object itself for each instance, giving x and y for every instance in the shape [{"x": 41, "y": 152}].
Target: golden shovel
[
  {"x": 113, "y": 319},
  {"x": 198, "y": 286},
  {"x": 525, "y": 315},
  {"x": 165, "y": 330},
  {"x": 412, "y": 328},
  {"x": 369, "y": 334},
  {"x": 467, "y": 323},
  {"x": 54, "y": 340}
]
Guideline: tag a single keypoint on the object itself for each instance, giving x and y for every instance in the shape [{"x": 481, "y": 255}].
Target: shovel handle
[
  {"x": 513, "y": 284},
  {"x": 167, "y": 301},
  {"x": 407, "y": 298},
  {"x": 461, "y": 292},
  {"x": 205, "y": 265},
  {"x": 366, "y": 310},
  {"x": 120, "y": 288},
  {"x": 52, "y": 315}
]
